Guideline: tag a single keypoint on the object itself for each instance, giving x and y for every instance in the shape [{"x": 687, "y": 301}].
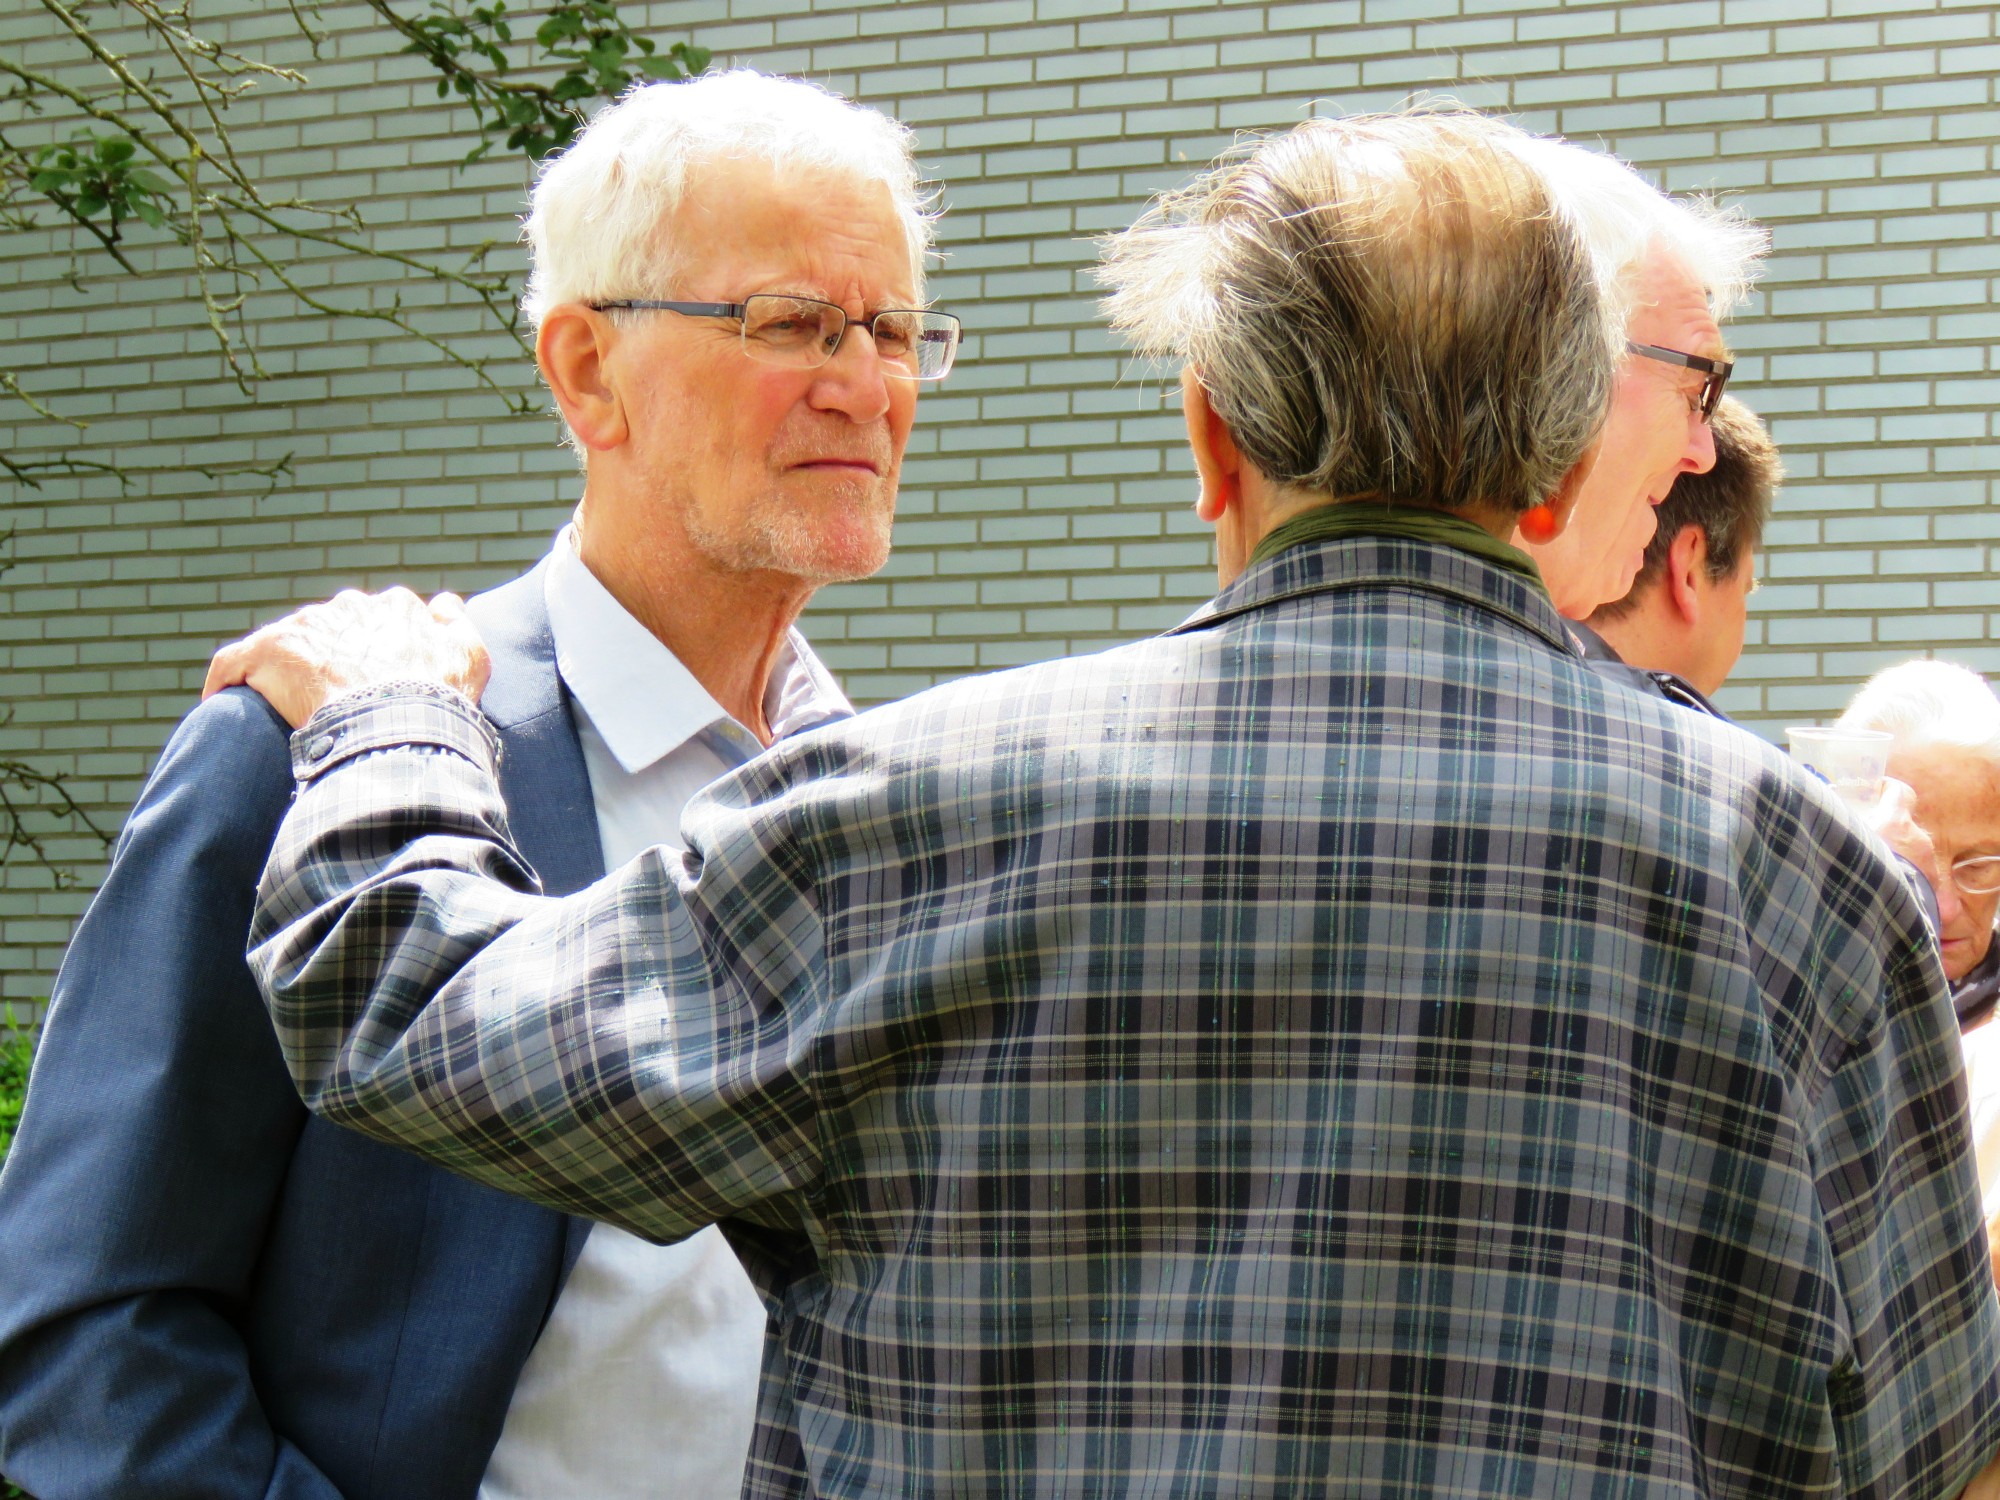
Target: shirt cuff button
[{"x": 320, "y": 749}]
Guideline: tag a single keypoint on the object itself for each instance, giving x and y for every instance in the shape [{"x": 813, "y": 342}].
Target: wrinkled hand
[
  {"x": 1893, "y": 820},
  {"x": 354, "y": 640}
]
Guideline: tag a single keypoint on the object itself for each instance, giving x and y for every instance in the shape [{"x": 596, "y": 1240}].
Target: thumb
[{"x": 475, "y": 666}]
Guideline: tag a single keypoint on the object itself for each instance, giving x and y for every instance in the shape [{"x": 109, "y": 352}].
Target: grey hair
[
  {"x": 1385, "y": 305},
  {"x": 1623, "y": 219},
  {"x": 601, "y": 215},
  {"x": 1930, "y": 703}
]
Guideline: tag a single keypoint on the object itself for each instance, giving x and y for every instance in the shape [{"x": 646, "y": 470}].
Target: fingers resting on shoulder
[{"x": 353, "y": 641}]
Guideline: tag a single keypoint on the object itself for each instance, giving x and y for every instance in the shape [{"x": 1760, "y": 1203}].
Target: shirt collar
[
  {"x": 1378, "y": 561},
  {"x": 640, "y": 698},
  {"x": 1591, "y": 645}
]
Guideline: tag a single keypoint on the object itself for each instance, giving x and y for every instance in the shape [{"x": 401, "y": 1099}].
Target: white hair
[
  {"x": 1623, "y": 219},
  {"x": 1930, "y": 703},
  {"x": 601, "y": 216}
]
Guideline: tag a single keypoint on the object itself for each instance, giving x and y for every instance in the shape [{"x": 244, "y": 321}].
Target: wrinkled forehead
[
  {"x": 759, "y": 214},
  {"x": 1670, "y": 303},
  {"x": 1958, "y": 791}
]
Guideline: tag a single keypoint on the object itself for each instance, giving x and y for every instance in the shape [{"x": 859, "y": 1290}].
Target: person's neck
[
  {"x": 725, "y": 626},
  {"x": 1265, "y": 507},
  {"x": 1640, "y": 642}
]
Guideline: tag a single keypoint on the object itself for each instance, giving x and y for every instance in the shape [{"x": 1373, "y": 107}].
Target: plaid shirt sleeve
[{"x": 658, "y": 1088}]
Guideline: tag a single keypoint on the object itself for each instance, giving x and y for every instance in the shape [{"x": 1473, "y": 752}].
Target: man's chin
[
  {"x": 841, "y": 564},
  {"x": 843, "y": 547}
]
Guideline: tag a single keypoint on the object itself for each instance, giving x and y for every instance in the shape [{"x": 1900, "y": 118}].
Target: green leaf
[
  {"x": 89, "y": 202},
  {"x": 149, "y": 211},
  {"x": 571, "y": 86},
  {"x": 50, "y": 182},
  {"x": 659, "y": 67},
  {"x": 114, "y": 149},
  {"x": 561, "y": 26},
  {"x": 149, "y": 182},
  {"x": 695, "y": 58}
]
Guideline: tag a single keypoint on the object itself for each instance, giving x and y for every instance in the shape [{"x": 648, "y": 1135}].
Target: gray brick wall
[{"x": 1046, "y": 500}]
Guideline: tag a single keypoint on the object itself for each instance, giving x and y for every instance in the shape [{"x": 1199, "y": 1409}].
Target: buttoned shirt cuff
[{"x": 389, "y": 716}]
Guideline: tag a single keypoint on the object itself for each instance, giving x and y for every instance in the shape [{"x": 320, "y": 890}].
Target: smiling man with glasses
[{"x": 1670, "y": 288}]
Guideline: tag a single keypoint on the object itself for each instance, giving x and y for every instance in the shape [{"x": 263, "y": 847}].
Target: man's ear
[
  {"x": 573, "y": 350},
  {"x": 1218, "y": 462},
  {"x": 1687, "y": 571}
]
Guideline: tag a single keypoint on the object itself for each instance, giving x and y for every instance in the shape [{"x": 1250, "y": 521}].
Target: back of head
[
  {"x": 601, "y": 216},
  {"x": 1729, "y": 502},
  {"x": 1925, "y": 703},
  {"x": 1381, "y": 306}
]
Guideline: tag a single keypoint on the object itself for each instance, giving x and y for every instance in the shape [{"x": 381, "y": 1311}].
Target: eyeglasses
[
  {"x": 801, "y": 331},
  {"x": 1977, "y": 874},
  {"x": 1714, "y": 372}
]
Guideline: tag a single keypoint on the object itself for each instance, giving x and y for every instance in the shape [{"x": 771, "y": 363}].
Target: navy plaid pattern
[{"x": 1340, "y": 1047}]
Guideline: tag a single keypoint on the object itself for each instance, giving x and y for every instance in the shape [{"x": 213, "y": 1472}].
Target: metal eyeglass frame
[
  {"x": 1714, "y": 371},
  {"x": 1984, "y": 862},
  {"x": 737, "y": 310}
]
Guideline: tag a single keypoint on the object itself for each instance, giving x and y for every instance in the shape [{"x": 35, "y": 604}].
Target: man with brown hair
[{"x": 1678, "y": 631}]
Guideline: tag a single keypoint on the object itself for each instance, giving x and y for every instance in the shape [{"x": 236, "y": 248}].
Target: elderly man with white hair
[
  {"x": 202, "y": 1291},
  {"x": 1668, "y": 269},
  {"x": 1340, "y": 1047}
]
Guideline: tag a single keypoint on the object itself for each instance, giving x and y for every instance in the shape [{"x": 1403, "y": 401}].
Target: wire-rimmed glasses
[
  {"x": 778, "y": 329},
  {"x": 1714, "y": 372},
  {"x": 1976, "y": 874}
]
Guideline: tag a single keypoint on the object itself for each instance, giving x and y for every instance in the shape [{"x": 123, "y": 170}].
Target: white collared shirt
[{"x": 644, "y": 1384}]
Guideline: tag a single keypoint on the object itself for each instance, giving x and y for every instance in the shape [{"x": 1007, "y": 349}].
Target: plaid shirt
[{"x": 1342, "y": 1046}]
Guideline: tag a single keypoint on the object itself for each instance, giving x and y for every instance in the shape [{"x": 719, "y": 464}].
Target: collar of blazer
[
  {"x": 1377, "y": 562},
  {"x": 514, "y": 621}
]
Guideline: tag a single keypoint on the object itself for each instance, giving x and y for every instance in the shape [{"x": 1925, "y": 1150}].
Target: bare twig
[
  {"x": 25, "y": 789},
  {"x": 14, "y": 388}
]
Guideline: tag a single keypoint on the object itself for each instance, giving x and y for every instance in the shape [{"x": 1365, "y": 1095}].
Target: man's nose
[
  {"x": 853, "y": 382},
  {"x": 1700, "y": 455},
  {"x": 1950, "y": 903}
]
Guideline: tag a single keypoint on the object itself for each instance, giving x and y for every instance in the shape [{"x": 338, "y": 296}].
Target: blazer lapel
[{"x": 542, "y": 774}]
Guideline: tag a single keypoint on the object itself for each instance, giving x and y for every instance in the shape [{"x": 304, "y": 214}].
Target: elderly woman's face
[{"x": 1958, "y": 805}]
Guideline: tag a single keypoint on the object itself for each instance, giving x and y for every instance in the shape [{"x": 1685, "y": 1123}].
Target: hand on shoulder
[{"x": 353, "y": 641}]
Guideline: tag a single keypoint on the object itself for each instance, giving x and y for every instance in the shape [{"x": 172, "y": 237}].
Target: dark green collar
[{"x": 1339, "y": 519}]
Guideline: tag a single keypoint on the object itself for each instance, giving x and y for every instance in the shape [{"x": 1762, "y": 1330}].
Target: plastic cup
[{"x": 1854, "y": 762}]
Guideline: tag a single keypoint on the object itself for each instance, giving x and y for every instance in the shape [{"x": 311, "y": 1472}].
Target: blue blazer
[{"x": 204, "y": 1291}]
